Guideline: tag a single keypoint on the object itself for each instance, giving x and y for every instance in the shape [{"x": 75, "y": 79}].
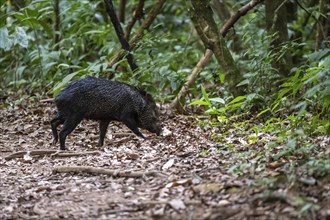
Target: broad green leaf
[
  {"x": 217, "y": 99},
  {"x": 163, "y": 70},
  {"x": 65, "y": 81},
  {"x": 5, "y": 41},
  {"x": 199, "y": 102},
  {"x": 244, "y": 82},
  {"x": 212, "y": 111},
  {"x": 21, "y": 37},
  {"x": 205, "y": 96},
  {"x": 237, "y": 99}
]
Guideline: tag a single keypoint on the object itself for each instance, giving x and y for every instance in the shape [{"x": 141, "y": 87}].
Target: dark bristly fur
[{"x": 104, "y": 100}]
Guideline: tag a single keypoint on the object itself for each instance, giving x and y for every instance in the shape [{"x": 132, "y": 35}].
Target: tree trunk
[
  {"x": 276, "y": 24},
  {"x": 122, "y": 9},
  {"x": 56, "y": 23},
  {"x": 323, "y": 26},
  {"x": 202, "y": 17},
  {"x": 176, "y": 103}
]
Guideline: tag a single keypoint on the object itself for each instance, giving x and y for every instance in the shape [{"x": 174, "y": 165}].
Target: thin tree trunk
[
  {"x": 201, "y": 15},
  {"x": 57, "y": 23},
  {"x": 122, "y": 9},
  {"x": 276, "y": 24},
  {"x": 177, "y": 102},
  {"x": 322, "y": 24},
  {"x": 120, "y": 33}
]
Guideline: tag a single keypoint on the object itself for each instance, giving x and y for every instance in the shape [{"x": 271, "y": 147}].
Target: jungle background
[{"x": 243, "y": 89}]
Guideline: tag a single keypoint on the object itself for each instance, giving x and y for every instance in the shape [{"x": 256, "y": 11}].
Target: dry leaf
[
  {"x": 223, "y": 202},
  {"x": 166, "y": 132},
  {"x": 177, "y": 204},
  {"x": 208, "y": 187},
  {"x": 178, "y": 183},
  {"x": 168, "y": 164}
]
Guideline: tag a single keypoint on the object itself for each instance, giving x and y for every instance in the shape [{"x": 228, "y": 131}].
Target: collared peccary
[{"x": 104, "y": 100}]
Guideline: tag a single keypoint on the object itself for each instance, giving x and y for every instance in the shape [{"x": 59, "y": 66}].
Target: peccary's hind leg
[
  {"x": 131, "y": 122},
  {"x": 69, "y": 125},
  {"x": 55, "y": 122},
  {"x": 103, "y": 125}
]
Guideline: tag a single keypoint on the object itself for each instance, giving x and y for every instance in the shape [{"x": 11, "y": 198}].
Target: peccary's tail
[{"x": 55, "y": 122}]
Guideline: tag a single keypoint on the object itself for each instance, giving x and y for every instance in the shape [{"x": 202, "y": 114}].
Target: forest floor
[{"x": 180, "y": 175}]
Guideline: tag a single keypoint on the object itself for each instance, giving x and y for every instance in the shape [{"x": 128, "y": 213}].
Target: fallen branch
[
  {"x": 97, "y": 170},
  {"x": 52, "y": 153}
]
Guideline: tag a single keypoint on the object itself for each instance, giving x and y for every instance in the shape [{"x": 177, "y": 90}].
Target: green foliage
[{"x": 87, "y": 42}]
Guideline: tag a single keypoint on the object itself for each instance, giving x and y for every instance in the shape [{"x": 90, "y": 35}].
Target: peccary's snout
[
  {"x": 158, "y": 129},
  {"x": 155, "y": 127}
]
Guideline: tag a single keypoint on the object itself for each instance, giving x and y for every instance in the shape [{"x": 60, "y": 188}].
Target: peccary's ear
[
  {"x": 142, "y": 91},
  {"x": 146, "y": 95}
]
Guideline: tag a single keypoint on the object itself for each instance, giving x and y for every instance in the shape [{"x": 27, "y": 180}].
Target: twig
[
  {"x": 97, "y": 170},
  {"x": 47, "y": 100},
  {"x": 119, "y": 141},
  {"x": 52, "y": 153},
  {"x": 74, "y": 154},
  {"x": 138, "y": 13},
  {"x": 159, "y": 202},
  {"x": 241, "y": 12}
]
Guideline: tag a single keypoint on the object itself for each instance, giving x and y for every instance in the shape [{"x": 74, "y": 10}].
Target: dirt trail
[{"x": 188, "y": 181}]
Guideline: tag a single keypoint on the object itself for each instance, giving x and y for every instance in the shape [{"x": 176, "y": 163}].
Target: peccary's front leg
[
  {"x": 69, "y": 125},
  {"x": 55, "y": 122},
  {"x": 130, "y": 121},
  {"x": 103, "y": 125}
]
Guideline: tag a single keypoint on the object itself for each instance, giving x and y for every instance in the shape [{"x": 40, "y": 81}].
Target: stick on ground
[
  {"x": 97, "y": 170},
  {"x": 52, "y": 153}
]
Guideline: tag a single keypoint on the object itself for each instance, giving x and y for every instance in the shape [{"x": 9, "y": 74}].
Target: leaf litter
[{"x": 192, "y": 177}]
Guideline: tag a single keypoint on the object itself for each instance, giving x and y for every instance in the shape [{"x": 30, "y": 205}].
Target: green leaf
[
  {"x": 275, "y": 106},
  {"x": 244, "y": 82},
  {"x": 212, "y": 111},
  {"x": 21, "y": 37},
  {"x": 65, "y": 81},
  {"x": 163, "y": 70},
  {"x": 48, "y": 29},
  {"x": 217, "y": 99},
  {"x": 5, "y": 41},
  {"x": 222, "y": 77},
  {"x": 199, "y": 102},
  {"x": 205, "y": 96},
  {"x": 263, "y": 111},
  {"x": 237, "y": 99}
]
